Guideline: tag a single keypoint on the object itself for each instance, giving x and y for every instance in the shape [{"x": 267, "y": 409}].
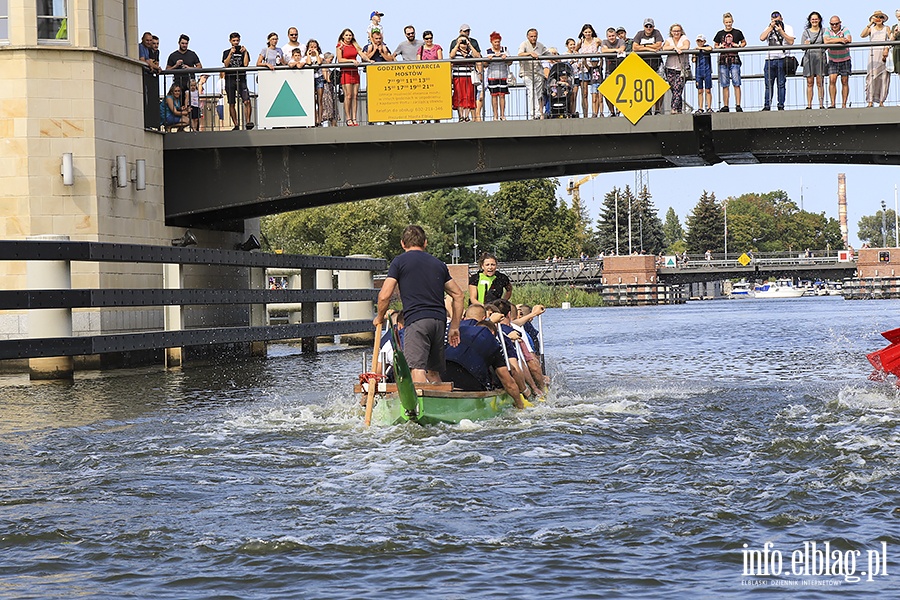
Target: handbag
[
  {"x": 341, "y": 94},
  {"x": 686, "y": 69},
  {"x": 476, "y": 77},
  {"x": 790, "y": 65}
]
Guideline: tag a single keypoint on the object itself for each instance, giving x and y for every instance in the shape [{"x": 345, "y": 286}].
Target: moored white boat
[
  {"x": 783, "y": 288},
  {"x": 741, "y": 289}
]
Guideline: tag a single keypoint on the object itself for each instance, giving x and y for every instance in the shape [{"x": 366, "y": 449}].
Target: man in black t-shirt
[
  {"x": 377, "y": 50},
  {"x": 183, "y": 59},
  {"x": 422, "y": 280},
  {"x": 236, "y": 83},
  {"x": 649, "y": 39},
  {"x": 730, "y": 62}
]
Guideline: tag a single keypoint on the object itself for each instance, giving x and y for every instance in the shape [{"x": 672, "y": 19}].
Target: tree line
[{"x": 526, "y": 220}]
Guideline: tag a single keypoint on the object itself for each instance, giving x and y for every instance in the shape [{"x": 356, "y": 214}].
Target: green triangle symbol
[{"x": 286, "y": 104}]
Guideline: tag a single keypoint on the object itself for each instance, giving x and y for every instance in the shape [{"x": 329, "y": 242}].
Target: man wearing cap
[
  {"x": 464, "y": 31},
  {"x": 730, "y": 62},
  {"x": 622, "y": 34},
  {"x": 649, "y": 39},
  {"x": 533, "y": 73},
  {"x": 614, "y": 46},
  {"x": 776, "y": 34},
  {"x": 377, "y": 50},
  {"x": 374, "y": 23}
]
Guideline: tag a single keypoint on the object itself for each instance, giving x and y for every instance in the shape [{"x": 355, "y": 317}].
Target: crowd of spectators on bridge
[{"x": 564, "y": 84}]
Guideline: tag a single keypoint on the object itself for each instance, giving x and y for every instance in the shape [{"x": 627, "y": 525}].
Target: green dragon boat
[{"x": 431, "y": 404}]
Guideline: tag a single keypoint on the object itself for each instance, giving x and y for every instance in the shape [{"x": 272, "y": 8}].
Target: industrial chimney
[{"x": 842, "y": 206}]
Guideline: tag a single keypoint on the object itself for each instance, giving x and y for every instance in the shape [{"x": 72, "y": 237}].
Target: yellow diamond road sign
[
  {"x": 744, "y": 259},
  {"x": 633, "y": 87}
]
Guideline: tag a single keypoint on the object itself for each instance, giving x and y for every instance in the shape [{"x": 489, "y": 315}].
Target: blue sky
[{"x": 209, "y": 23}]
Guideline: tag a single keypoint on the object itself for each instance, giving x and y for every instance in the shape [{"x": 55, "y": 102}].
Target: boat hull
[
  {"x": 778, "y": 293},
  {"x": 433, "y": 407}
]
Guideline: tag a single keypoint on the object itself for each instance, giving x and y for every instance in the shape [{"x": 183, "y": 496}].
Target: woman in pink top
[
  {"x": 589, "y": 44},
  {"x": 429, "y": 50}
]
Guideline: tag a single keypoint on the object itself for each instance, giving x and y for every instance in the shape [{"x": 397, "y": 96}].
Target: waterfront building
[{"x": 77, "y": 160}]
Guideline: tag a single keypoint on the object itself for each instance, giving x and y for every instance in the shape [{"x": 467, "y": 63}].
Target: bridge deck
[{"x": 252, "y": 173}]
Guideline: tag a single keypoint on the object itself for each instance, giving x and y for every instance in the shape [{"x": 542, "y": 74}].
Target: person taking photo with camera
[{"x": 776, "y": 34}]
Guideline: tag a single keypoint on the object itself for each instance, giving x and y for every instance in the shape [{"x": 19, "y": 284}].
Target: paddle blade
[
  {"x": 373, "y": 381},
  {"x": 409, "y": 399},
  {"x": 892, "y": 335}
]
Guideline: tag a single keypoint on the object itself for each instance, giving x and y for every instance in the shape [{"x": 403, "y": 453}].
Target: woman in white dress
[{"x": 877, "y": 76}]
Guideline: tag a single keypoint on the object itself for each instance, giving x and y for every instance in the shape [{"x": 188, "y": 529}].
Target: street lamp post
[
  {"x": 725, "y": 204},
  {"x": 883, "y": 224},
  {"x": 629, "y": 225},
  {"x": 475, "y": 240},
  {"x": 617, "y": 222},
  {"x": 896, "y": 220},
  {"x": 455, "y": 243}
]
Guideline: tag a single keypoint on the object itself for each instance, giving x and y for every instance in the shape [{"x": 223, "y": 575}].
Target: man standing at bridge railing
[
  {"x": 776, "y": 34},
  {"x": 838, "y": 37},
  {"x": 533, "y": 73}
]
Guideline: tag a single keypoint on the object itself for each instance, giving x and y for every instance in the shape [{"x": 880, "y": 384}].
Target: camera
[{"x": 779, "y": 23}]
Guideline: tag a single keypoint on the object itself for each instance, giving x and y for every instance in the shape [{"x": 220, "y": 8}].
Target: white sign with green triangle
[{"x": 286, "y": 98}]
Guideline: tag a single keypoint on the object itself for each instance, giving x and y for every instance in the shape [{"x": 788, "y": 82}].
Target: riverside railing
[
  {"x": 215, "y": 110},
  {"x": 50, "y": 304}
]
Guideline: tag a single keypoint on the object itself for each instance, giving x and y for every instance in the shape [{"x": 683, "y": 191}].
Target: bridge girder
[
  {"x": 218, "y": 177},
  {"x": 677, "y": 276}
]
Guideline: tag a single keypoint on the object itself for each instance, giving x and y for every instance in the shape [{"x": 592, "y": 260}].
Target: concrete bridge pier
[
  {"x": 50, "y": 322},
  {"x": 173, "y": 279},
  {"x": 348, "y": 311},
  {"x": 325, "y": 310},
  {"x": 79, "y": 163}
]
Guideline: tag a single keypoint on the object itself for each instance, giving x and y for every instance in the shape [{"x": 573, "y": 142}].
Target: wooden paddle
[{"x": 373, "y": 381}]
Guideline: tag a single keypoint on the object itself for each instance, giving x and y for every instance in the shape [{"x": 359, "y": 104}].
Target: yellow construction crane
[{"x": 573, "y": 190}]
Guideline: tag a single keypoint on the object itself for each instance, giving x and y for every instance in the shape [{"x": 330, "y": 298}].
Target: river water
[{"x": 673, "y": 437}]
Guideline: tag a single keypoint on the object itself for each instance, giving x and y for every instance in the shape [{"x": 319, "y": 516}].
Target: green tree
[
  {"x": 441, "y": 209},
  {"x": 751, "y": 224},
  {"x": 815, "y": 231},
  {"x": 370, "y": 227},
  {"x": 871, "y": 232},
  {"x": 646, "y": 222},
  {"x": 771, "y": 222},
  {"x": 536, "y": 222},
  {"x": 613, "y": 212},
  {"x": 673, "y": 232},
  {"x": 706, "y": 225}
]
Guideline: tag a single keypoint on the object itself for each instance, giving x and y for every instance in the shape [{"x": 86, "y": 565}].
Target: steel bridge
[{"x": 696, "y": 269}]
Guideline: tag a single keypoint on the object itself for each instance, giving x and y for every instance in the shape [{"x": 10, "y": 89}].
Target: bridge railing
[
  {"x": 39, "y": 304},
  {"x": 554, "y": 271},
  {"x": 214, "y": 110},
  {"x": 762, "y": 259}
]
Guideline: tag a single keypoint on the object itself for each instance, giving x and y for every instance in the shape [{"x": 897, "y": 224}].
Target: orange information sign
[{"x": 408, "y": 91}]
